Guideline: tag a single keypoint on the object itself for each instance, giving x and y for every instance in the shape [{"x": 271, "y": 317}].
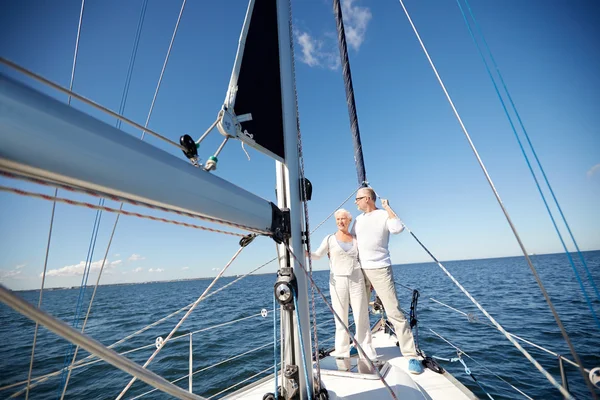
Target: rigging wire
[
  {"x": 207, "y": 368},
  {"x": 164, "y": 67},
  {"x": 93, "y": 346},
  {"x": 508, "y": 219},
  {"x": 114, "y": 210},
  {"x": 90, "y": 304},
  {"x": 122, "y": 105},
  {"x": 118, "y": 198},
  {"x": 75, "y": 54},
  {"x": 80, "y": 363},
  {"x": 37, "y": 325},
  {"x": 471, "y": 318},
  {"x": 496, "y": 324},
  {"x": 510, "y": 120},
  {"x": 239, "y": 383},
  {"x": 187, "y": 314},
  {"x": 82, "y": 290},
  {"x": 89, "y": 102}
]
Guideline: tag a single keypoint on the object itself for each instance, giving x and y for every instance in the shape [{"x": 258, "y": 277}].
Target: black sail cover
[{"x": 259, "y": 80}]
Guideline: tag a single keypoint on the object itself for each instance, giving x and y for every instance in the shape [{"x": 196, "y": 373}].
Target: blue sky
[{"x": 415, "y": 153}]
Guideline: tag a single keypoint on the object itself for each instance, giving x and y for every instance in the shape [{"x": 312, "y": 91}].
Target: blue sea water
[{"x": 505, "y": 287}]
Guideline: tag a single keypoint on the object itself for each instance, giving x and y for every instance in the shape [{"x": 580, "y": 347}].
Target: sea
[{"x": 231, "y": 324}]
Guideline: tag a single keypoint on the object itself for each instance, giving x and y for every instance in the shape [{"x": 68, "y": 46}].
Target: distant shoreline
[{"x": 272, "y": 273}]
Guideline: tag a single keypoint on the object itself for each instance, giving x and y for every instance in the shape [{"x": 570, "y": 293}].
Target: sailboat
[{"x": 189, "y": 186}]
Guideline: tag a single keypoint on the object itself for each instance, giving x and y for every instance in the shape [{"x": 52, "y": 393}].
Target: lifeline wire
[
  {"x": 460, "y": 351},
  {"x": 93, "y": 346},
  {"x": 80, "y": 363},
  {"x": 183, "y": 319}
]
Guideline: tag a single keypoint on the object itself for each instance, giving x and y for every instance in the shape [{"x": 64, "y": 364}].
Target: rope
[
  {"x": 347, "y": 74},
  {"x": 304, "y": 362},
  {"x": 129, "y": 201},
  {"x": 460, "y": 351},
  {"x": 496, "y": 324},
  {"x": 358, "y": 346},
  {"x": 589, "y": 303},
  {"x": 515, "y": 233},
  {"x": 237, "y": 253},
  {"x": 91, "y": 103},
  {"x": 114, "y": 210}
]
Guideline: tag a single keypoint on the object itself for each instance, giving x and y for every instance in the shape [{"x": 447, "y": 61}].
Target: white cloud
[
  {"x": 138, "y": 269},
  {"x": 325, "y": 52},
  {"x": 20, "y": 266},
  {"x": 155, "y": 270},
  {"x": 216, "y": 269},
  {"x": 185, "y": 268},
  {"x": 78, "y": 269},
  {"x": 9, "y": 274},
  {"x": 317, "y": 53},
  {"x": 356, "y": 19},
  {"x": 136, "y": 257},
  {"x": 310, "y": 48},
  {"x": 594, "y": 170},
  {"x": 117, "y": 255}
]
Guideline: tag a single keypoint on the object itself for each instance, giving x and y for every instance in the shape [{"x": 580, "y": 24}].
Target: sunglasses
[{"x": 359, "y": 198}]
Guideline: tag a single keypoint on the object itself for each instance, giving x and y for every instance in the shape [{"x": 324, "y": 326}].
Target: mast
[
  {"x": 289, "y": 177},
  {"x": 260, "y": 109}
]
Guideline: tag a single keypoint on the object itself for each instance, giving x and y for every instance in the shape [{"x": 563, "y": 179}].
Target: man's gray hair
[
  {"x": 343, "y": 211},
  {"x": 370, "y": 192}
]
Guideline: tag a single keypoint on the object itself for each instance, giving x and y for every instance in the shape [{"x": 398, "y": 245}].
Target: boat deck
[{"x": 351, "y": 379}]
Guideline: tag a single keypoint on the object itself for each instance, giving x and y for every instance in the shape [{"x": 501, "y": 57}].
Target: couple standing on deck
[{"x": 359, "y": 258}]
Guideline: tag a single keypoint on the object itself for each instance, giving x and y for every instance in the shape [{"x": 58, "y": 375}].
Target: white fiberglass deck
[{"x": 356, "y": 386}]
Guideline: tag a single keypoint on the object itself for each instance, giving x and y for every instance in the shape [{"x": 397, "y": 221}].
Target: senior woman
[{"x": 346, "y": 285}]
